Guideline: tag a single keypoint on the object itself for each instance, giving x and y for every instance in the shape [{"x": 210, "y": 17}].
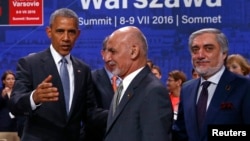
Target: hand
[
  {"x": 45, "y": 92},
  {"x": 6, "y": 91}
]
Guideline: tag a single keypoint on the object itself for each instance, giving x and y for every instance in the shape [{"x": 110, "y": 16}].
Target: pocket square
[{"x": 226, "y": 106}]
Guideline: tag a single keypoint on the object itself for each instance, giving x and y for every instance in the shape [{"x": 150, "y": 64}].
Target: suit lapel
[
  {"x": 78, "y": 76},
  {"x": 49, "y": 68},
  {"x": 125, "y": 99},
  {"x": 103, "y": 77},
  {"x": 128, "y": 95},
  {"x": 221, "y": 93},
  {"x": 193, "y": 96}
]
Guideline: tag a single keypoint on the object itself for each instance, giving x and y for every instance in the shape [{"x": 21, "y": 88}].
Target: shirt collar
[
  {"x": 56, "y": 56},
  {"x": 110, "y": 75},
  {"x": 127, "y": 80},
  {"x": 216, "y": 77}
]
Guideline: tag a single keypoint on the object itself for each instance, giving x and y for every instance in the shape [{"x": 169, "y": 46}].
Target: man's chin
[{"x": 116, "y": 71}]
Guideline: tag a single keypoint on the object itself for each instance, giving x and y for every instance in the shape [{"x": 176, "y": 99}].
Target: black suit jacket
[
  {"x": 144, "y": 113},
  {"x": 49, "y": 122},
  {"x": 104, "y": 94},
  {"x": 103, "y": 88},
  {"x": 229, "y": 105},
  {"x": 7, "y": 124}
]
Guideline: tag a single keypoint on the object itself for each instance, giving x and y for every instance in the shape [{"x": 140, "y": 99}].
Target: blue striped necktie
[{"x": 64, "y": 74}]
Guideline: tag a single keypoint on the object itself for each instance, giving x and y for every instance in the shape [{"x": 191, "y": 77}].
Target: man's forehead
[
  {"x": 206, "y": 39},
  {"x": 109, "y": 46}
]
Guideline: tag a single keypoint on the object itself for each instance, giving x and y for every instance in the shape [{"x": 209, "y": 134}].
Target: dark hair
[
  {"x": 63, "y": 12},
  {"x": 150, "y": 63},
  {"x": 104, "y": 43},
  {"x": 157, "y": 68},
  {"x": 178, "y": 75},
  {"x": 5, "y": 75}
]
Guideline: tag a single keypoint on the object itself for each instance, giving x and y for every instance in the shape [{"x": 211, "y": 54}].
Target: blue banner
[{"x": 166, "y": 24}]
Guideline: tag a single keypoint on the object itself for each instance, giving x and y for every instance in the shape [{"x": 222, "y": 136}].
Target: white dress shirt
[
  {"x": 214, "y": 83},
  {"x": 57, "y": 58}
]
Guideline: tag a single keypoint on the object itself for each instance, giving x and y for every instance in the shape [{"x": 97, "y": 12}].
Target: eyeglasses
[{"x": 170, "y": 80}]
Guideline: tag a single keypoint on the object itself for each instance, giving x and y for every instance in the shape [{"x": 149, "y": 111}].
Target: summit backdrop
[{"x": 166, "y": 24}]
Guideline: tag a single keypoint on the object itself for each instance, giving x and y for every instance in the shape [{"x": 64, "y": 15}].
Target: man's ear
[
  {"x": 134, "y": 52},
  {"x": 48, "y": 31},
  {"x": 102, "y": 53}
]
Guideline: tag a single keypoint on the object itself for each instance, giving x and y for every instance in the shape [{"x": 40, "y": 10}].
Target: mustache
[
  {"x": 111, "y": 63},
  {"x": 202, "y": 61}
]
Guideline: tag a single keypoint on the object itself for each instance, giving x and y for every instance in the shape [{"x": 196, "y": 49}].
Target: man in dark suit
[
  {"x": 104, "y": 93},
  {"x": 141, "y": 108},
  {"x": 228, "y": 95},
  {"x": 102, "y": 79},
  {"x": 39, "y": 91}
]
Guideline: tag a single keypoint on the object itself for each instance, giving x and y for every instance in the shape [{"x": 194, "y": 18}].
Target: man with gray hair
[
  {"x": 141, "y": 109},
  {"x": 218, "y": 97}
]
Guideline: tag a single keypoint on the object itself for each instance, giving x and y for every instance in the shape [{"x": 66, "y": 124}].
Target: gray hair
[
  {"x": 140, "y": 36},
  {"x": 64, "y": 12},
  {"x": 104, "y": 43},
  {"x": 220, "y": 37},
  {"x": 145, "y": 43}
]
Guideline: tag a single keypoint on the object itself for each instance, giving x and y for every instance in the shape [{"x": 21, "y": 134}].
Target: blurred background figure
[
  {"x": 7, "y": 120},
  {"x": 150, "y": 63},
  {"x": 103, "y": 82},
  {"x": 195, "y": 74},
  {"x": 238, "y": 64},
  {"x": 174, "y": 82},
  {"x": 104, "y": 92},
  {"x": 156, "y": 70}
]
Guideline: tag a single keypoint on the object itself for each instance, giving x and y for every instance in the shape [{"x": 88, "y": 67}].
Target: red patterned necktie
[{"x": 114, "y": 78}]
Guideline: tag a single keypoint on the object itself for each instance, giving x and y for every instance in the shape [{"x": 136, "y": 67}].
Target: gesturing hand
[{"x": 45, "y": 91}]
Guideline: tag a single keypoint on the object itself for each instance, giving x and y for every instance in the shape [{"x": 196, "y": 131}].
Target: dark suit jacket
[
  {"x": 103, "y": 88},
  {"x": 104, "y": 94},
  {"x": 7, "y": 124},
  {"x": 232, "y": 90},
  {"x": 144, "y": 113},
  {"x": 49, "y": 122}
]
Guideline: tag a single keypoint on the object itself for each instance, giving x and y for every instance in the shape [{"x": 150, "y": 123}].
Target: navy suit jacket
[
  {"x": 104, "y": 94},
  {"x": 232, "y": 90},
  {"x": 7, "y": 124},
  {"x": 103, "y": 88},
  {"x": 144, "y": 113},
  {"x": 49, "y": 122}
]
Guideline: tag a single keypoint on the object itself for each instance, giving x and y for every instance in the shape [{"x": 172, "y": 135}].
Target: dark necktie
[
  {"x": 64, "y": 74},
  {"x": 202, "y": 103},
  {"x": 117, "y": 97},
  {"x": 114, "y": 78}
]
